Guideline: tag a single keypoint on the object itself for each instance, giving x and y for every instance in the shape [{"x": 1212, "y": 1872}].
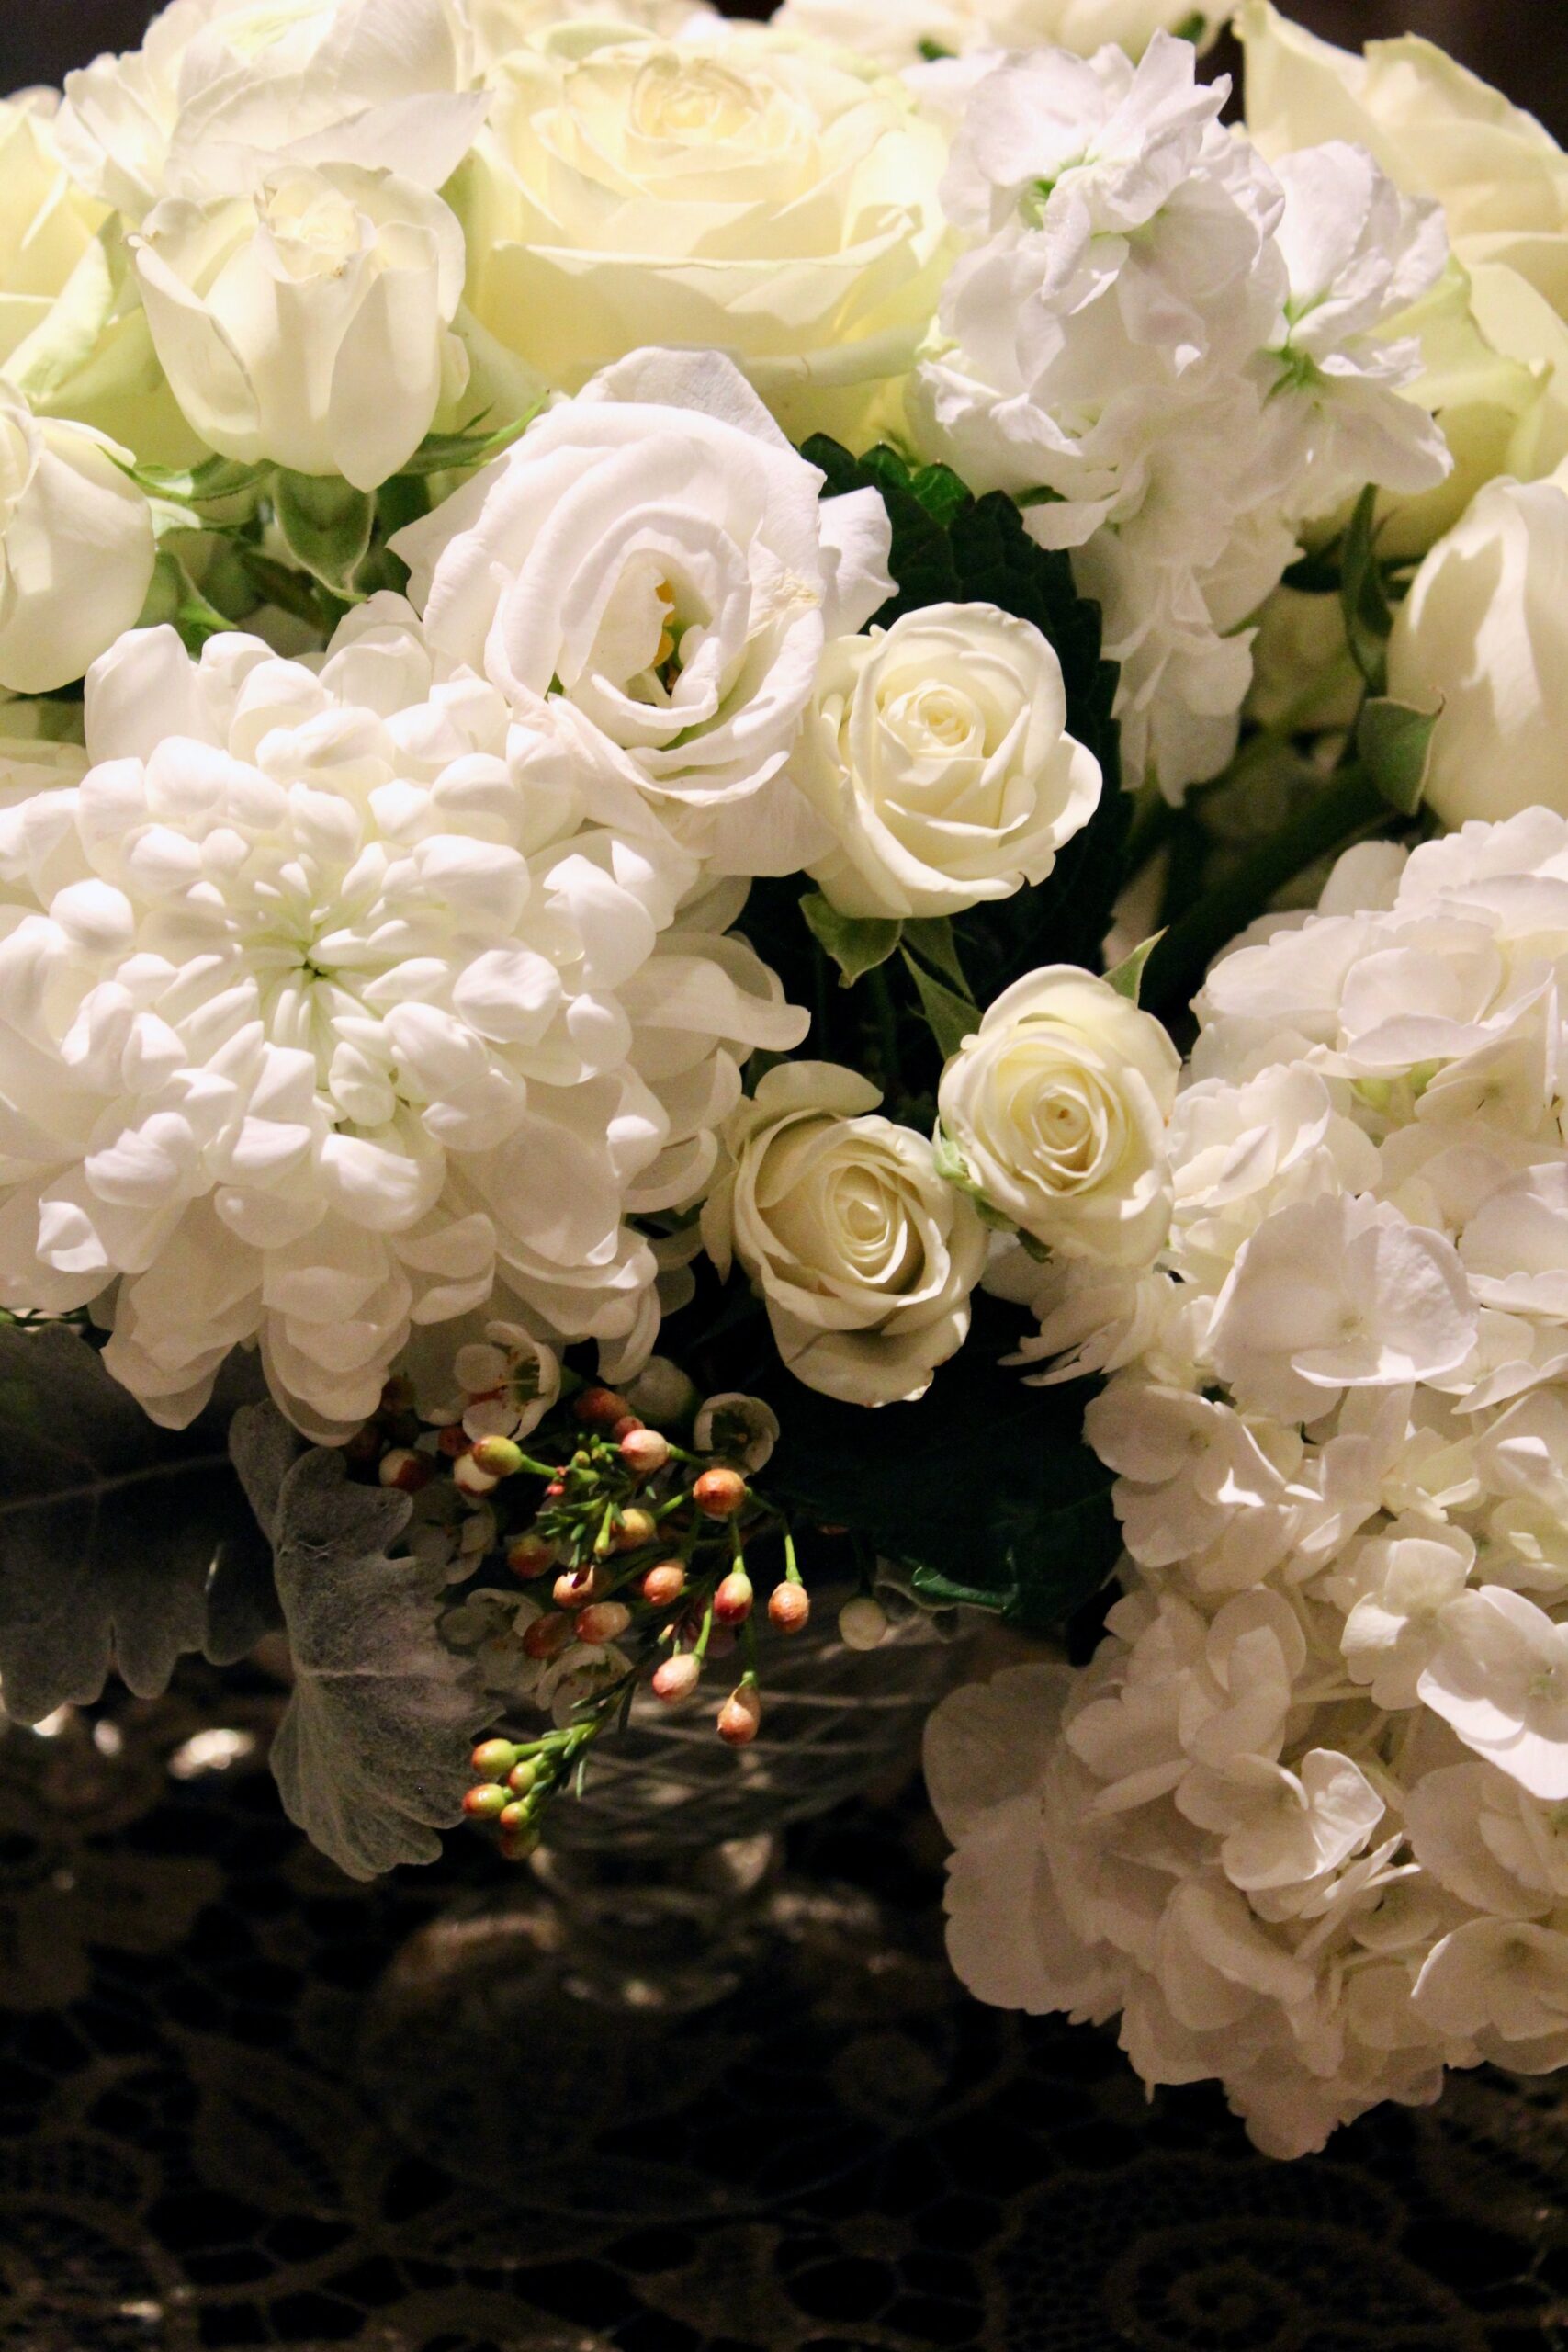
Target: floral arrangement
[{"x": 723, "y": 876}]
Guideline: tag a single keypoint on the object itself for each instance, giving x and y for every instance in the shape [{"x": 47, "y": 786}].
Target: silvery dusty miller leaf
[
  {"x": 110, "y": 1530},
  {"x": 372, "y": 1757}
]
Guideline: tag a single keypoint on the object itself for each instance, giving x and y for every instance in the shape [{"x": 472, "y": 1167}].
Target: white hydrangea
[
  {"x": 334, "y": 998},
  {"x": 1304, "y": 1823},
  {"x": 1174, "y": 356}
]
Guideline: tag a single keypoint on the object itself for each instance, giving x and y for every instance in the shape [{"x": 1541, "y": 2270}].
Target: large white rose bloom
[
  {"x": 46, "y": 224},
  {"x": 864, "y": 1256},
  {"x": 317, "y": 1024},
  {"x": 732, "y": 189},
  {"x": 1174, "y": 357},
  {"x": 1302, "y": 1821},
  {"x": 76, "y": 549},
  {"x": 937, "y": 751},
  {"x": 657, "y": 556}
]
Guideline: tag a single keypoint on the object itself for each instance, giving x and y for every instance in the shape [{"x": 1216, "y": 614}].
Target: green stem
[
  {"x": 886, "y": 1015},
  {"x": 1340, "y": 814}
]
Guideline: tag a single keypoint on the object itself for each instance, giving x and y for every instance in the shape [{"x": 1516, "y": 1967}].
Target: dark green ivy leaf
[
  {"x": 120, "y": 1545},
  {"x": 372, "y": 1757},
  {"x": 984, "y": 1488}
]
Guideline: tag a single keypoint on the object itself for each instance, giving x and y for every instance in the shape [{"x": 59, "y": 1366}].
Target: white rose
[
  {"x": 937, "y": 751},
  {"x": 46, "y": 224},
  {"x": 899, "y": 33},
  {"x": 1483, "y": 635},
  {"x": 735, "y": 191},
  {"x": 216, "y": 78},
  {"x": 1057, "y": 1108},
  {"x": 309, "y": 325},
  {"x": 502, "y": 26},
  {"x": 76, "y": 549},
  {"x": 658, "y": 555},
  {"x": 864, "y": 1258},
  {"x": 1436, "y": 129}
]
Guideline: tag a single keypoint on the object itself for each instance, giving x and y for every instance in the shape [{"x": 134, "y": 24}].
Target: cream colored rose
[
  {"x": 864, "y": 1258},
  {"x": 76, "y": 549},
  {"x": 308, "y": 326},
  {"x": 46, "y": 224},
  {"x": 1483, "y": 636},
  {"x": 1057, "y": 1108},
  {"x": 897, "y": 33},
  {"x": 938, "y": 754},
  {"x": 502, "y": 26},
  {"x": 735, "y": 191}
]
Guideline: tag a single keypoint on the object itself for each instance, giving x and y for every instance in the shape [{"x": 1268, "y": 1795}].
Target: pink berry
[
  {"x": 720, "y": 1494},
  {"x": 644, "y": 1452},
  {"x": 741, "y": 1717},
  {"x": 677, "y": 1678},
  {"x": 789, "y": 1606},
  {"x": 732, "y": 1601}
]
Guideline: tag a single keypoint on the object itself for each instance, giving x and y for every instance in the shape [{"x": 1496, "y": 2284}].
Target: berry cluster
[{"x": 649, "y": 1547}]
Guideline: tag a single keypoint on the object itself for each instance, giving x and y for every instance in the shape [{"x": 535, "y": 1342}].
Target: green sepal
[
  {"x": 214, "y": 480},
  {"x": 857, "y": 943},
  {"x": 952, "y": 1167},
  {"x": 447, "y": 453},
  {"x": 1369, "y": 615},
  {"x": 1127, "y": 980},
  {"x": 1393, "y": 743},
  {"x": 327, "y": 525},
  {"x": 949, "y": 1018}
]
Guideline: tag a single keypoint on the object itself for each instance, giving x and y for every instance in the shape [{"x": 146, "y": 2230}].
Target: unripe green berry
[
  {"x": 486, "y": 1803},
  {"x": 494, "y": 1759},
  {"x": 498, "y": 1457}
]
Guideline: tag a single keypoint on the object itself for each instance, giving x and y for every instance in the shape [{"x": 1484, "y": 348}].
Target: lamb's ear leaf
[
  {"x": 111, "y": 1531},
  {"x": 372, "y": 1757}
]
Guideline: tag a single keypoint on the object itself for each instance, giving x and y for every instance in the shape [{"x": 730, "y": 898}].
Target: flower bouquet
[{"x": 646, "y": 662}]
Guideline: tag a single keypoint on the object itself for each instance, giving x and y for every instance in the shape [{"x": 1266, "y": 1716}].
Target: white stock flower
[
  {"x": 1057, "y": 1109},
  {"x": 217, "y": 81},
  {"x": 1185, "y": 355},
  {"x": 736, "y": 190},
  {"x": 655, "y": 555},
  {"x": 321, "y": 979},
  {"x": 897, "y": 34},
  {"x": 937, "y": 755},
  {"x": 308, "y": 324},
  {"x": 864, "y": 1256},
  {"x": 1481, "y": 640},
  {"x": 76, "y": 549}
]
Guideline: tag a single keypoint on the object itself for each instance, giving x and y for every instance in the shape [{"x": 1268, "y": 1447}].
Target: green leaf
[
  {"x": 291, "y": 591},
  {"x": 327, "y": 524},
  {"x": 214, "y": 480},
  {"x": 1369, "y": 617},
  {"x": 984, "y": 1488},
  {"x": 934, "y": 52},
  {"x": 857, "y": 943},
  {"x": 372, "y": 1757},
  {"x": 1192, "y": 27},
  {"x": 954, "y": 1170},
  {"x": 1394, "y": 744},
  {"x": 113, "y": 1533},
  {"x": 949, "y": 1018},
  {"x": 1127, "y": 980},
  {"x": 442, "y": 453},
  {"x": 931, "y": 936}
]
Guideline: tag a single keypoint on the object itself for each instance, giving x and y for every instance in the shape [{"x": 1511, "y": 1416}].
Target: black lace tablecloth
[{"x": 847, "y": 2152}]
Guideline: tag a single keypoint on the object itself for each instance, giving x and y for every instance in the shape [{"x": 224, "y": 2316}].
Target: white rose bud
[
  {"x": 937, "y": 751},
  {"x": 1057, "y": 1108},
  {"x": 308, "y": 326},
  {"x": 76, "y": 549},
  {"x": 1483, "y": 637},
  {"x": 864, "y": 1258}
]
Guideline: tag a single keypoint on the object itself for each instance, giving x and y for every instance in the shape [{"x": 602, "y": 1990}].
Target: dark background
[{"x": 1522, "y": 45}]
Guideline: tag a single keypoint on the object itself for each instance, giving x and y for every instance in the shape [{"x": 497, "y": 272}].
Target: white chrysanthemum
[
  {"x": 1301, "y": 1822},
  {"x": 1174, "y": 356},
  {"x": 334, "y": 998}
]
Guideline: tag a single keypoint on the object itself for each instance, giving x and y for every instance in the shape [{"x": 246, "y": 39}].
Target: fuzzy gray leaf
[
  {"x": 372, "y": 1756},
  {"x": 110, "y": 1528}
]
